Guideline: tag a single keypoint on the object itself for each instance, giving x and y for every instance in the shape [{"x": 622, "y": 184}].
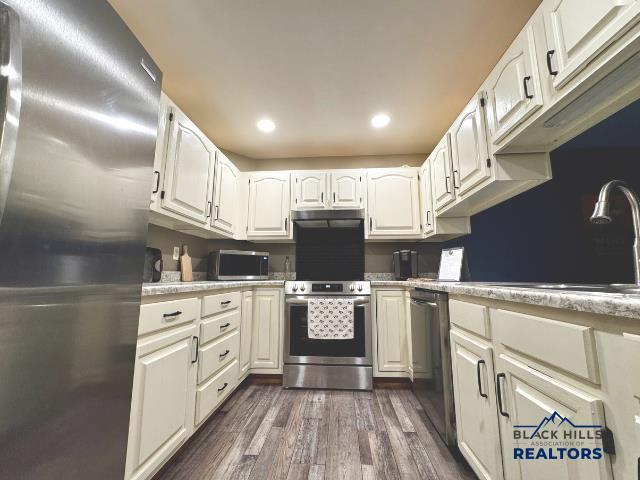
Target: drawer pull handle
[
  {"x": 499, "y": 393},
  {"x": 172, "y": 315},
  {"x": 483, "y": 395},
  {"x": 222, "y": 327},
  {"x": 222, "y": 355},
  {"x": 226, "y": 302},
  {"x": 223, "y": 387}
]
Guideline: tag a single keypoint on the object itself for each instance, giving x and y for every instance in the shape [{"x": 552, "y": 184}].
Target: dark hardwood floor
[{"x": 265, "y": 432}]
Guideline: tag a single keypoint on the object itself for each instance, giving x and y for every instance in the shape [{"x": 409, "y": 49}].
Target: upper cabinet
[
  {"x": 346, "y": 189},
  {"x": 513, "y": 87},
  {"x": 434, "y": 227},
  {"x": 225, "y": 196},
  {"x": 269, "y": 205},
  {"x": 393, "y": 202},
  {"x": 469, "y": 153},
  {"x": 310, "y": 190},
  {"x": 441, "y": 174},
  {"x": 189, "y": 167},
  {"x": 578, "y": 31}
]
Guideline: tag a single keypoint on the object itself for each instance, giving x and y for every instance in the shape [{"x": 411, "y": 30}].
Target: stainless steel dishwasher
[{"x": 431, "y": 353}]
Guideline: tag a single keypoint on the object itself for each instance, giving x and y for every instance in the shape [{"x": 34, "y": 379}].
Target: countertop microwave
[{"x": 238, "y": 265}]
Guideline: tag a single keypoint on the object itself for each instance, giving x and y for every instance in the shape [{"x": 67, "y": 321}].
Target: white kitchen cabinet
[
  {"x": 189, "y": 169},
  {"x": 269, "y": 205},
  {"x": 225, "y": 196},
  {"x": 578, "y": 31},
  {"x": 469, "y": 152},
  {"x": 441, "y": 174},
  {"x": 310, "y": 190},
  {"x": 161, "y": 147},
  {"x": 391, "y": 330},
  {"x": 246, "y": 329},
  {"x": 513, "y": 87},
  {"x": 346, "y": 189},
  {"x": 162, "y": 400},
  {"x": 426, "y": 199},
  {"x": 526, "y": 397},
  {"x": 434, "y": 227},
  {"x": 266, "y": 337},
  {"x": 477, "y": 424},
  {"x": 393, "y": 202}
]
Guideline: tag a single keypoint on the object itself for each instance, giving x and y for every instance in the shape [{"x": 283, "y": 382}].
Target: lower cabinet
[
  {"x": 162, "y": 400},
  {"x": 267, "y": 337},
  {"x": 475, "y": 399},
  {"x": 391, "y": 329},
  {"x": 527, "y": 397},
  {"x": 246, "y": 326}
]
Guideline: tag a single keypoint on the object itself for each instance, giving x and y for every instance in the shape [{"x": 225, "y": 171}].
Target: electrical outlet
[{"x": 176, "y": 253}]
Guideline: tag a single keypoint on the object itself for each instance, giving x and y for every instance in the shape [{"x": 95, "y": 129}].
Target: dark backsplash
[{"x": 330, "y": 253}]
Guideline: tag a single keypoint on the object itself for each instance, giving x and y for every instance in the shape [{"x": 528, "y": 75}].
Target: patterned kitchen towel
[{"x": 330, "y": 318}]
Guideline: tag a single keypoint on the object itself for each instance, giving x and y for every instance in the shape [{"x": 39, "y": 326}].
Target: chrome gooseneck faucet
[{"x": 602, "y": 214}]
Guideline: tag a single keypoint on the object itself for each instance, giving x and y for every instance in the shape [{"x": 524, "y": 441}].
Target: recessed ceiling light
[
  {"x": 380, "y": 120},
  {"x": 266, "y": 125}
]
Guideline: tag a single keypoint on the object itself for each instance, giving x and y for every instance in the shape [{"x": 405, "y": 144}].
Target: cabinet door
[
  {"x": 475, "y": 399},
  {"x": 161, "y": 146},
  {"x": 528, "y": 399},
  {"x": 513, "y": 87},
  {"x": 393, "y": 202},
  {"x": 268, "y": 204},
  {"x": 441, "y": 181},
  {"x": 469, "y": 151},
  {"x": 162, "y": 401},
  {"x": 391, "y": 321},
  {"x": 188, "y": 179},
  {"x": 225, "y": 200},
  {"x": 246, "y": 327},
  {"x": 310, "y": 190},
  {"x": 267, "y": 313},
  {"x": 577, "y": 31},
  {"x": 426, "y": 201},
  {"x": 346, "y": 189}
]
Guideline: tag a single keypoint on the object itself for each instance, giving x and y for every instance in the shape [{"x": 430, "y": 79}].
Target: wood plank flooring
[{"x": 266, "y": 433}]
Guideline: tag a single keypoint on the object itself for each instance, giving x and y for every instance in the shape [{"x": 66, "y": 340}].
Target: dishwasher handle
[{"x": 423, "y": 303}]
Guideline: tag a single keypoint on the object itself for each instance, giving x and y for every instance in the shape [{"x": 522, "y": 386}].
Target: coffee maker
[{"x": 405, "y": 264}]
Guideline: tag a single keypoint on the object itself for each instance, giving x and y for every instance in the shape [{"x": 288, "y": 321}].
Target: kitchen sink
[{"x": 627, "y": 289}]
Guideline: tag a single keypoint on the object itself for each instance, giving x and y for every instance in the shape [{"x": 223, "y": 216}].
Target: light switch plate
[{"x": 176, "y": 253}]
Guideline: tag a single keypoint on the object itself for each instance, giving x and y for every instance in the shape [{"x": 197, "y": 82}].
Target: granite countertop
[
  {"x": 621, "y": 305},
  {"x": 167, "y": 288},
  {"x": 616, "y": 304}
]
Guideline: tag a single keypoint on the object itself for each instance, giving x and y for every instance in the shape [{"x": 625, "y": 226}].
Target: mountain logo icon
[{"x": 555, "y": 420}]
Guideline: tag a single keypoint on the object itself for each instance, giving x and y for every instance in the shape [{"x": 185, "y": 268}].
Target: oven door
[{"x": 300, "y": 349}]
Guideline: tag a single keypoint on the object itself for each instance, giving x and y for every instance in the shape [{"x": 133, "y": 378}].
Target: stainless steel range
[{"x": 322, "y": 363}]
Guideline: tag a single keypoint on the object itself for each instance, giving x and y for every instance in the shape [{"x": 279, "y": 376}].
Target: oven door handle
[{"x": 304, "y": 301}]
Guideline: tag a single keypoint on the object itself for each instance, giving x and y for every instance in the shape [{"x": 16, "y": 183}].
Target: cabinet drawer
[
  {"x": 470, "y": 316},
  {"x": 156, "y": 316},
  {"x": 562, "y": 345},
  {"x": 212, "y": 393},
  {"x": 217, "y": 354},
  {"x": 213, "y": 304},
  {"x": 214, "y": 327}
]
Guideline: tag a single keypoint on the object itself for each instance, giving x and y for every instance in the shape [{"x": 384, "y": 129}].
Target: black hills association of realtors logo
[{"x": 557, "y": 438}]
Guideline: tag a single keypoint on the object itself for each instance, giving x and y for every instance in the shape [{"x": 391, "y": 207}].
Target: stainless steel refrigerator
[{"x": 79, "y": 104}]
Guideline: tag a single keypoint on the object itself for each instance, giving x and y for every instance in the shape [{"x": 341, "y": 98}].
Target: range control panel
[{"x": 353, "y": 288}]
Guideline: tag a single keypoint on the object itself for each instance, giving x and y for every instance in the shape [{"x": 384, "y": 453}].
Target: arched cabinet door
[
  {"x": 393, "y": 202},
  {"x": 225, "y": 199},
  {"x": 269, "y": 194}
]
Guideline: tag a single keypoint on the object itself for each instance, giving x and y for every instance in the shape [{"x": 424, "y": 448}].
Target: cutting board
[{"x": 186, "y": 270}]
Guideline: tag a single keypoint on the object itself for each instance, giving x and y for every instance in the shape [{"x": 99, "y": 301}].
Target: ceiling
[{"x": 321, "y": 69}]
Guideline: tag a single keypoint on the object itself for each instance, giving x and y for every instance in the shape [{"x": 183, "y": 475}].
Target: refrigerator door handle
[{"x": 10, "y": 95}]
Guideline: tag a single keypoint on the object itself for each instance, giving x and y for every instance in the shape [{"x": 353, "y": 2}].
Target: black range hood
[{"x": 328, "y": 218}]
